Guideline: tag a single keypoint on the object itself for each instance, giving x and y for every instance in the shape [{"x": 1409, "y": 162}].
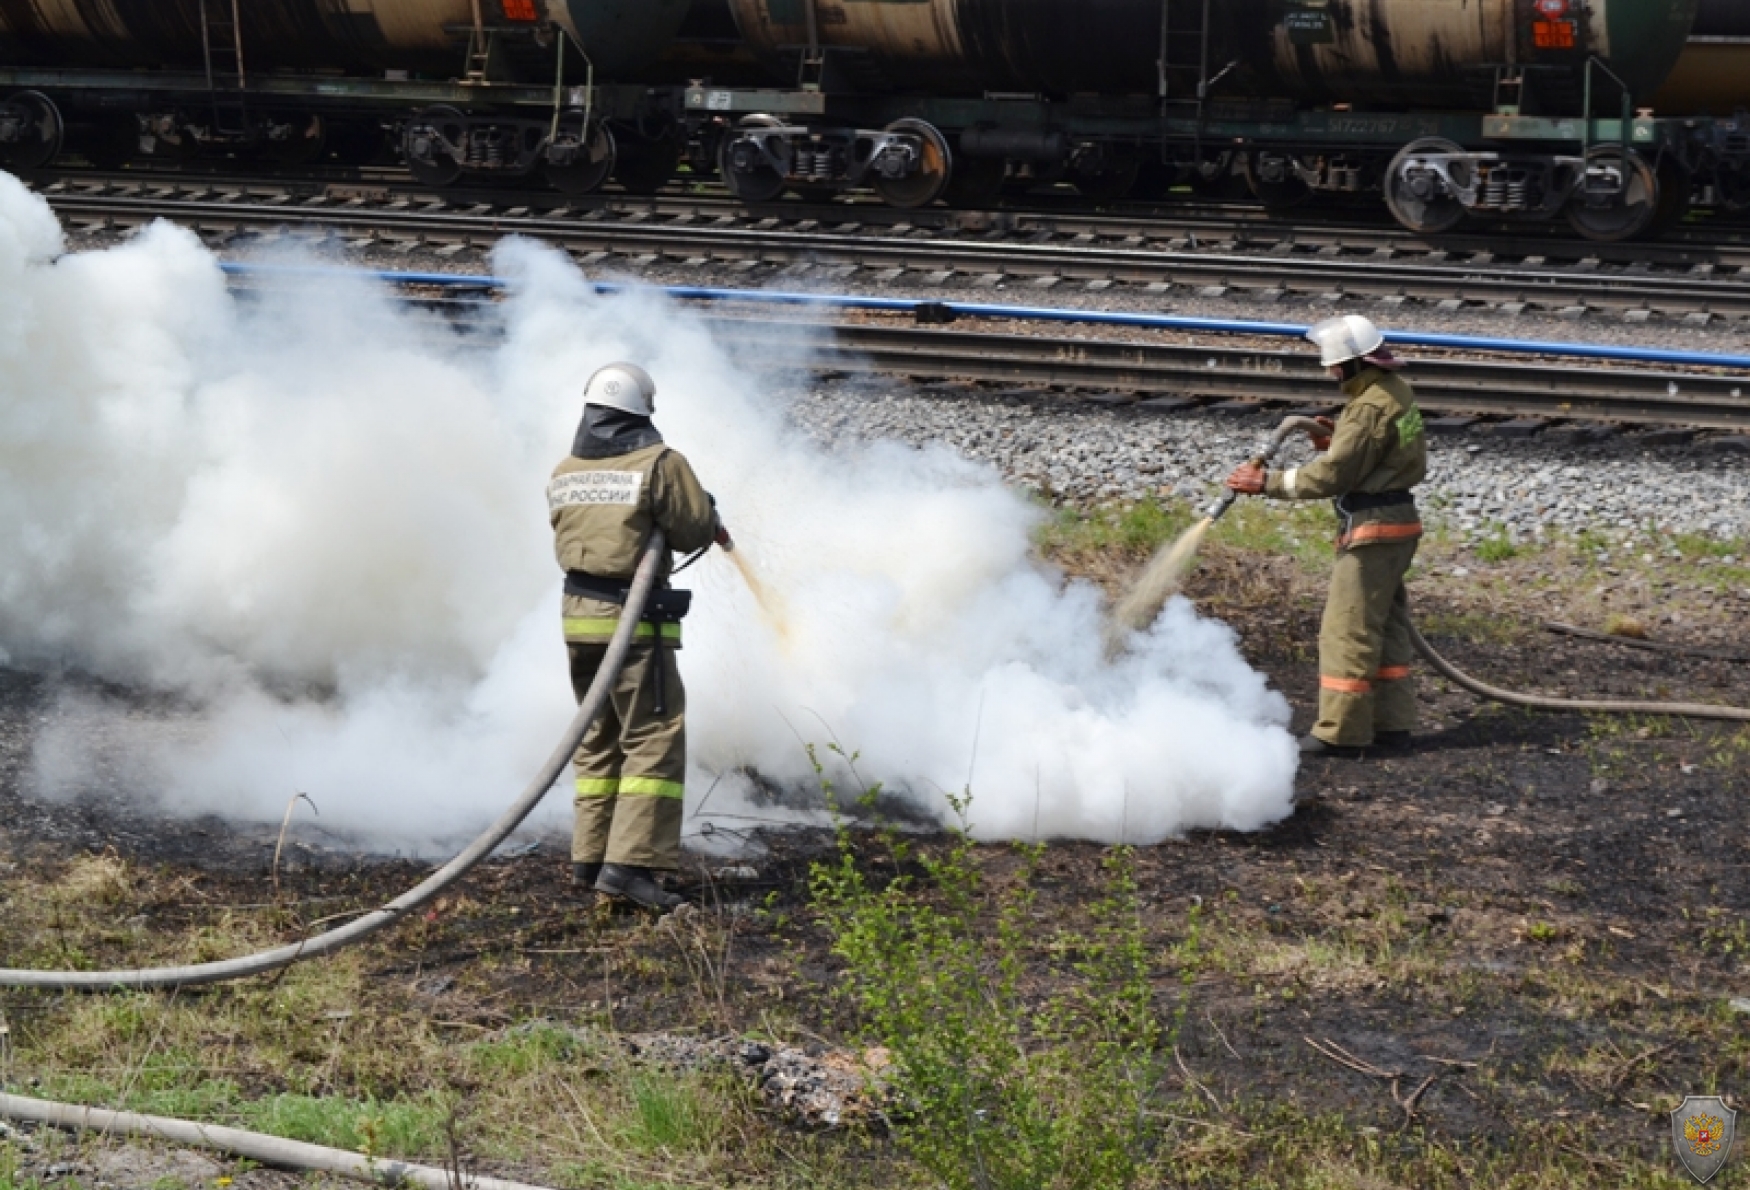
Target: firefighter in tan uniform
[
  {"x": 619, "y": 482},
  {"x": 1375, "y": 453}
]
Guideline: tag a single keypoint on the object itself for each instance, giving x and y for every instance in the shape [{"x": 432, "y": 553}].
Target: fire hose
[
  {"x": 643, "y": 583},
  {"x": 256, "y": 1146},
  {"x": 1451, "y": 672}
]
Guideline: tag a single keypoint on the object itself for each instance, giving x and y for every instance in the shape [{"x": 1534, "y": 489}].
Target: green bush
[{"x": 998, "y": 1084}]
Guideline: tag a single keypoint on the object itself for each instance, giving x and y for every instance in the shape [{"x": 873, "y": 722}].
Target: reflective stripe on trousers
[
  {"x": 1385, "y": 673},
  {"x": 1378, "y": 531},
  {"x": 599, "y": 629},
  {"x": 629, "y": 787}
]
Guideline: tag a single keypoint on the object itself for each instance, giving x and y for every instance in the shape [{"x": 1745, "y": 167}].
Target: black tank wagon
[
  {"x": 1527, "y": 109},
  {"x": 486, "y": 87}
]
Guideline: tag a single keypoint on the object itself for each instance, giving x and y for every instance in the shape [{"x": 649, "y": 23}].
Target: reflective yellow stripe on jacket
[
  {"x": 598, "y": 630},
  {"x": 629, "y": 787}
]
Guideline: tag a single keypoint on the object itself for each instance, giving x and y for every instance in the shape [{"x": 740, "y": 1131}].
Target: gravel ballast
[{"x": 1479, "y": 483}]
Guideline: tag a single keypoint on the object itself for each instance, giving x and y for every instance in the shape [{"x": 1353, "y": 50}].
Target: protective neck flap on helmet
[{"x": 608, "y": 433}]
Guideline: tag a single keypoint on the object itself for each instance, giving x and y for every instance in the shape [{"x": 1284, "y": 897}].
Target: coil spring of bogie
[
  {"x": 1495, "y": 189},
  {"x": 815, "y": 164}
]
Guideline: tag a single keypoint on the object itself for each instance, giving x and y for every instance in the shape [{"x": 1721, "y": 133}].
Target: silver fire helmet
[
  {"x": 625, "y": 387},
  {"x": 1345, "y": 337}
]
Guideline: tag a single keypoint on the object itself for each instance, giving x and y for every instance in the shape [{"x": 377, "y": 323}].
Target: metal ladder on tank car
[
  {"x": 222, "y": 47},
  {"x": 1183, "y": 70}
]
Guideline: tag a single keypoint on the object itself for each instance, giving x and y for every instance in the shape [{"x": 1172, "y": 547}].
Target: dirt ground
[{"x": 1500, "y": 960}]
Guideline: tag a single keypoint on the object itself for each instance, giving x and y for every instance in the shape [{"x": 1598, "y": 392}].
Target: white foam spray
[{"x": 319, "y": 519}]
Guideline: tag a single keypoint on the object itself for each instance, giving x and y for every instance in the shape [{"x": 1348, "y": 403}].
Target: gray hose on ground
[
  {"x": 270, "y": 1150},
  {"x": 1540, "y": 702},
  {"x": 643, "y": 582}
]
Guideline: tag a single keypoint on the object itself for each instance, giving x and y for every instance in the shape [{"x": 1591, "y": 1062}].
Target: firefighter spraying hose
[
  {"x": 1374, "y": 455},
  {"x": 617, "y": 504}
]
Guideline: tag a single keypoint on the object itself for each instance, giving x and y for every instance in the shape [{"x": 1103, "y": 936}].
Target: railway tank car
[
  {"x": 296, "y": 77},
  {"x": 1516, "y": 108},
  {"x": 1713, "y": 75},
  {"x": 1424, "y": 53}
]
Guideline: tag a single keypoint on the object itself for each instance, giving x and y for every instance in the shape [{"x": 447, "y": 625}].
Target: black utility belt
[
  {"x": 1367, "y": 501},
  {"x": 665, "y": 605}
]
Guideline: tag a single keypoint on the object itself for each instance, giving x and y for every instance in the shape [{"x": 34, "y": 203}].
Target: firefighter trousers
[
  {"x": 1364, "y": 646},
  {"x": 632, "y": 765}
]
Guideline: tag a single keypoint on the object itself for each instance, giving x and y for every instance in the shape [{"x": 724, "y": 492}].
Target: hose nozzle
[{"x": 1290, "y": 425}]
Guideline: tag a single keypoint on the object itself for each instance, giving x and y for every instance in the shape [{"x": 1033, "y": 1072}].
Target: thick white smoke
[{"x": 319, "y": 519}]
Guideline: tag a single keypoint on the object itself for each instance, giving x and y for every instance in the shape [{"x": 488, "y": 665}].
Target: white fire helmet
[
  {"x": 1345, "y": 337},
  {"x": 625, "y": 387}
]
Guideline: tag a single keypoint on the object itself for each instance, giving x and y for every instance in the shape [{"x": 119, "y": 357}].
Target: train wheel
[
  {"x": 645, "y": 166},
  {"x": 429, "y": 160},
  {"x": 1417, "y": 195},
  {"x": 36, "y": 131},
  {"x": 1624, "y": 214},
  {"x": 1274, "y": 182},
  {"x": 595, "y": 159},
  {"x": 929, "y": 173},
  {"x": 977, "y": 181},
  {"x": 744, "y": 169},
  {"x": 1113, "y": 181}
]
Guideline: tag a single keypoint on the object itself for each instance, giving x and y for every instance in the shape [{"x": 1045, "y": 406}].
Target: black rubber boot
[
  {"x": 637, "y": 885},
  {"x": 584, "y": 876},
  {"x": 1392, "y": 741},
  {"x": 1313, "y": 748}
]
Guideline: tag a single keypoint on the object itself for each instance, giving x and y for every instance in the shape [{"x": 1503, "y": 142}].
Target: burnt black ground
[{"x": 1553, "y": 905}]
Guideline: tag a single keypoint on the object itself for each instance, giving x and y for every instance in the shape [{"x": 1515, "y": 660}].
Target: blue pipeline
[{"x": 1166, "y": 322}]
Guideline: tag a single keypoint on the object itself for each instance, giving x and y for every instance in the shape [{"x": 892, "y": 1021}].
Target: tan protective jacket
[
  {"x": 602, "y": 511},
  {"x": 1378, "y": 446}
]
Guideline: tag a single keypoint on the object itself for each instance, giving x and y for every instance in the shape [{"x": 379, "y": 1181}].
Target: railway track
[
  {"x": 1722, "y": 241},
  {"x": 1165, "y": 374},
  {"x": 1233, "y": 253},
  {"x": 1166, "y": 377}
]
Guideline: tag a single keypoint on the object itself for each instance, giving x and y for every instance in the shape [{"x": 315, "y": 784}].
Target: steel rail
[
  {"x": 1133, "y": 372},
  {"x": 1493, "y": 378},
  {"x": 1196, "y": 224},
  {"x": 1269, "y": 274}
]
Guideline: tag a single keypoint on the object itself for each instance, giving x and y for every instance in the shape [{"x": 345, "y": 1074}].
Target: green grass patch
[
  {"x": 1136, "y": 529},
  {"x": 528, "y": 1049},
  {"x": 1497, "y": 546},
  {"x": 670, "y": 1113},
  {"x": 398, "y": 1128}
]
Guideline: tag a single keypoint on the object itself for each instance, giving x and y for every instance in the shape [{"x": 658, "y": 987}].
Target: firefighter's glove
[
  {"x": 1322, "y": 440},
  {"x": 1248, "y": 479}
]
